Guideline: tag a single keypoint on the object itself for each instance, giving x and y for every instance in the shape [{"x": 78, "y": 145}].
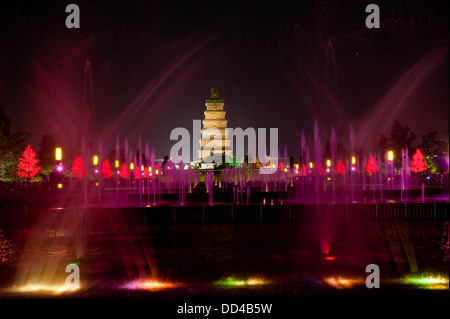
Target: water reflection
[
  {"x": 7, "y": 249},
  {"x": 443, "y": 231},
  {"x": 263, "y": 256}
]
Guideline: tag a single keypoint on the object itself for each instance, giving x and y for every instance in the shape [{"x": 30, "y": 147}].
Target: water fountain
[
  {"x": 169, "y": 226},
  {"x": 239, "y": 188}
]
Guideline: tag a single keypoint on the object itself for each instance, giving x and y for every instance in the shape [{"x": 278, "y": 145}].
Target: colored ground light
[
  {"x": 231, "y": 282},
  {"x": 343, "y": 283},
  {"x": 43, "y": 288},
  {"x": 427, "y": 282},
  {"x": 149, "y": 284}
]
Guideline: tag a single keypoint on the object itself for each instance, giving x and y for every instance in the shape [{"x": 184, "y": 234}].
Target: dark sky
[{"x": 281, "y": 64}]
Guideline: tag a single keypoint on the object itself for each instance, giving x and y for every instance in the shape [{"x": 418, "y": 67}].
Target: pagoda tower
[{"x": 214, "y": 118}]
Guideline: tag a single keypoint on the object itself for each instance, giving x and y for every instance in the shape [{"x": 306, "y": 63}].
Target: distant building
[{"x": 214, "y": 118}]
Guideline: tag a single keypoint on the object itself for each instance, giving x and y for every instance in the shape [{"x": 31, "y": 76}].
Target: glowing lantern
[
  {"x": 390, "y": 156},
  {"x": 353, "y": 160},
  {"x": 58, "y": 154},
  {"x": 328, "y": 163},
  {"x": 116, "y": 164},
  {"x": 95, "y": 160},
  {"x": 311, "y": 165},
  {"x": 132, "y": 166}
]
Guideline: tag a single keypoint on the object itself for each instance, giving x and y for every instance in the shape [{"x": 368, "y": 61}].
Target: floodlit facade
[{"x": 214, "y": 119}]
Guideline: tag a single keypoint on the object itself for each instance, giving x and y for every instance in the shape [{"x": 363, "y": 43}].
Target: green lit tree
[
  {"x": 434, "y": 152},
  {"x": 400, "y": 137},
  {"x": 11, "y": 147},
  {"x": 46, "y": 154}
]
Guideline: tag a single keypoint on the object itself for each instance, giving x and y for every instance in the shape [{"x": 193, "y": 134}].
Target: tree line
[{"x": 13, "y": 145}]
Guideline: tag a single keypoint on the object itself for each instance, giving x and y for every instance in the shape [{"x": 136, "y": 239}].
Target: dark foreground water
[
  {"x": 309, "y": 252},
  {"x": 281, "y": 260}
]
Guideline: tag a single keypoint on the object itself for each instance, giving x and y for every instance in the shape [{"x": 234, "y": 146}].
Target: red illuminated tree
[
  {"x": 340, "y": 168},
  {"x": 418, "y": 163},
  {"x": 320, "y": 170},
  {"x": 28, "y": 163},
  {"x": 78, "y": 167},
  {"x": 124, "y": 172},
  {"x": 371, "y": 166},
  {"x": 136, "y": 172},
  {"x": 281, "y": 166},
  {"x": 146, "y": 172},
  {"x": 303, "y": 170},
  {"x": 106, "y": 169}
]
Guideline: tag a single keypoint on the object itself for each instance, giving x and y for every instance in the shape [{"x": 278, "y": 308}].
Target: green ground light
[
  {"x": 231, "y": 282},
  {"x": 427, "y": 282}
]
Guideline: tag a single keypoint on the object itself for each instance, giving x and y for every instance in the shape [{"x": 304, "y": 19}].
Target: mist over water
[{"x": 408, "y": 100}]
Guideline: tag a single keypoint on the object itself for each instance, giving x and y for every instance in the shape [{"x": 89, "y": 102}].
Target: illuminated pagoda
[{"x": 214, "y": 118}]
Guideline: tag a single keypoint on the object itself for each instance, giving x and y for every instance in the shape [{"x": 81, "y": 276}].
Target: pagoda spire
[{"x": 215, "y": 119}]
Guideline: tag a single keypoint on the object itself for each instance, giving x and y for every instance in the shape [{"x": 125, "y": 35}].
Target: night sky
[{"x": 281, "y": 64}]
